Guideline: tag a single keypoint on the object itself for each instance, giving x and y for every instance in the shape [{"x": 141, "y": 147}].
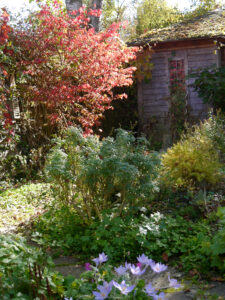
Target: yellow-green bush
[{"x": 193, "y": 161}]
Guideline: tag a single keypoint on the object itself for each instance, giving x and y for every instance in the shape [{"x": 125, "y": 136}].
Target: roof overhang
[{"x": 185, "y": 43}]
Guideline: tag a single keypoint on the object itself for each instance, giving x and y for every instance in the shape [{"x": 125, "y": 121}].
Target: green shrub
[
  {"x": 210, "y": 85},
  {"x": 215, "y": 249},
  {"x": 19, "y": 161},
  {"x": 25, "y": 273},
  {"x": 194, "y": 160},
  {"x": 92, "y": 175},
  {"x": 215, "y": 130}
]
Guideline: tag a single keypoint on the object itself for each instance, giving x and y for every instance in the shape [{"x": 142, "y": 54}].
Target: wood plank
[
  {"x": 161, "y": 60},
  {"x": 161, "y": 54},
  {"x": 190, "y": 82},
  {"x": 140, "y": 104},
  {"x": 197, "y": 106},
  {"x": 183, "y": 44},
  {"x": 154, "y": 92},
  {"x": 156, "y": 85},
  {"x": 193, "y": 94},
  {"x": 158, "y": 72},
  {"x": 160, "y": 66},
  {"x": 155, "y": 98},
  {"x": 202, "y": 64},
  {"x": 158, "y": 114},
  {"x": 156, "y": 109},
  {"x": 156, "y": 103},
  {"x": 196, "y": 101},
  {"x": 199, "y": 113},
  {"x": 156, "y": 79},
  {"x": 195, "y": 98},
  {"x": 200, "y": 58},
  {"x": 205, "y": 50}
]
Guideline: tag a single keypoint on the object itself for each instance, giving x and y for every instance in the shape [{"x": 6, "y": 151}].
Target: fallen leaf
[
  {"x": 220, "y": 279},
  {"x": 165, "y": 256}
]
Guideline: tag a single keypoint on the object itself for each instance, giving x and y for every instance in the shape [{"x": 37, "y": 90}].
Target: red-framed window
[{"x": 176, "y": 74}]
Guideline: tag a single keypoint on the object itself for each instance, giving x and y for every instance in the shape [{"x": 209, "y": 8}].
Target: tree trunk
[
  {"x": 73, "y": 5},
  {"x": 96, "y": 4}
]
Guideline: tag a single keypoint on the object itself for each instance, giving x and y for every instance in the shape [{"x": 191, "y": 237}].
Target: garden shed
[{"x": 178, "y": 51}]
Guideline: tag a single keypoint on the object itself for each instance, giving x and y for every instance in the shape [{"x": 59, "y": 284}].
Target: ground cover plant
[
  {"x": 26, "y": 273},
  {"x": 18, "y": 205},
  {"x": 186, "y": 244}
]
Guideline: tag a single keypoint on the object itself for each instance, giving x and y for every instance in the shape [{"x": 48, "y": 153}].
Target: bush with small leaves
[
  {"x": 193, "y": 162},
  {"x": 93, "y": 175}
]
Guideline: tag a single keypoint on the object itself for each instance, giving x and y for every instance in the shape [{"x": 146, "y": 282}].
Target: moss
[{"x": 209, "y": 25}]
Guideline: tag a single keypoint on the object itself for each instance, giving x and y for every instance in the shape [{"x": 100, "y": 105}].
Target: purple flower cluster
[
  {"x": 104, "y": 290},
  {"x": 125, "y": 289},
  {"x": 173, "y": 283},
  {"x": 136, "y": 270},
  {"x": 100, "y": 259},
  {"x": 150, "y": 291}
]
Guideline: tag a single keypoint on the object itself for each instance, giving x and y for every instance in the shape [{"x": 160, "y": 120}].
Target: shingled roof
[{"x": 210, "y": 25}]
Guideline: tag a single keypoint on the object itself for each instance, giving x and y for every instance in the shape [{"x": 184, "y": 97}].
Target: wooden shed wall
[{"x": 154, "y": 96}]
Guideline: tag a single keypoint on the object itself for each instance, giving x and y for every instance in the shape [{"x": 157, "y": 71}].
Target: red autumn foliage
[
  {"x": 5, "y": 29},
  {"x": 68, "y": 69}
]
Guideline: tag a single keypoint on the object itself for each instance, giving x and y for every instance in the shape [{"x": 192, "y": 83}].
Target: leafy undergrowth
[
  {"x": 172, "y": 239},
  {"x": 20, "y": 204},
  {"x": 25, "y": 272}
]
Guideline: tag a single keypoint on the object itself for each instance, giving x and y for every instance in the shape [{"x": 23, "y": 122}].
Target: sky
[{"x": 16, "y": 5}]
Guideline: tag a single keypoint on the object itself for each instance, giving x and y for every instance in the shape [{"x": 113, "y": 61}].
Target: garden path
[
  {"x": 213, "y": 290},
  {"x": 201, "y": 291}
]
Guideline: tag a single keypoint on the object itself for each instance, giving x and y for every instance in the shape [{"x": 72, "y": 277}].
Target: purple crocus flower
[
  {"x": 173, "y": 283},
  {"x": 104, "y": 289},
  {"x": 144, "y": 260},
  {"x": 127, "y": 265},
  {"x": 125, "y": 289},
  {"x": 96, "y": 260},
  {"x": 100, "y": 259},
  {"x": 121, "y": 270},
  {"x": 87, "y": 267},
  {"x": 161, "y": 296},
  {"x": 139, "y": 265},
  {"x": 149, "y": 289},
  {"x": 136, "y": 270},
  {"x": 158, "y": 268}
]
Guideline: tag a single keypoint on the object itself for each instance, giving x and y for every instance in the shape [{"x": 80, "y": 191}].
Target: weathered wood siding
[
  {"x": 199, "y": 58},
  {"x": 154, "y": 96}
]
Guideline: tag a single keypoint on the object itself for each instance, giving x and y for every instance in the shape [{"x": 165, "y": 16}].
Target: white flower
[
  {"x": 142, "y": 230},
  {"x": 143, "y": 209}
]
